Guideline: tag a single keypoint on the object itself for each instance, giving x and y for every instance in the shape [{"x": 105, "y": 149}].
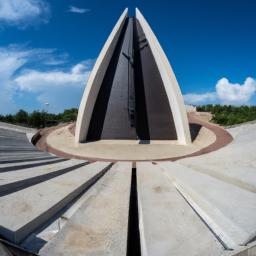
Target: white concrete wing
[
  {"x": 95, "y": 80},
  {"x": 170, "y": 83}
]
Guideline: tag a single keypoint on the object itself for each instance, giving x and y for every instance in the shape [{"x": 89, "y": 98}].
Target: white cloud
[
  {"x": 197, "y": 98},
  {"x": 226, "y": 93},
  {"x": 229, "y": 93},
  {"x": 10, "y": 63},
  {"x": 62, "y": 87},
  {"x": 78, "y": 10},
  {"x": 37, "y": 81},
  {"x": 24, "y": 12}
]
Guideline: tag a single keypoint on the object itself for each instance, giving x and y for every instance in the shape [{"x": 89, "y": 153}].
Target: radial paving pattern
[{"x": 202, "y": 205}]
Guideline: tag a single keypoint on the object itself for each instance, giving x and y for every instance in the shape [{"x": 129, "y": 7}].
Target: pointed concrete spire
[
  {"x": 170, "y": 82},
  {"x": 95, "y": 80},
  {"x": 132, "y": 92}
]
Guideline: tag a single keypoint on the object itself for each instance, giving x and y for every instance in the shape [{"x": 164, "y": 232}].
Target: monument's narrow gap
[
  {"x": 101, "y": 105},
  {"x": 133, "y": 238},
  {"x": 140, "y": 102},
  {"x": 154, "y": 115}
]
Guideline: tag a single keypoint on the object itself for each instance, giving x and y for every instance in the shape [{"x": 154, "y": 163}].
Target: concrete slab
[
  {"x": 20, "y": 160},
  {"x": 16, "y": 128},
  {"x": 14, "y": 176},
  {"x": 15, "y": 144},
  {"x": 227, "y": 209},
  {"x": 11, "y": 182},
  {"x": 28, "y": 165},
  {"x": 26, "y": 210},
  {"x": 13, "y": 157},
  {"x": 20, "y": 164},
  {"x": 168, "y": 225},
  {"x": 100, "y": 225},
  {"x": 235, "y": 163}
]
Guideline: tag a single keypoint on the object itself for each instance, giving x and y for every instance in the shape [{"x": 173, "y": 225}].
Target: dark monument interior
[{"x": 132, "y": 102}]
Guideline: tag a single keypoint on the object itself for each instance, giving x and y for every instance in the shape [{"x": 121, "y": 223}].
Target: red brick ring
[{"x": 222, "y": 139}]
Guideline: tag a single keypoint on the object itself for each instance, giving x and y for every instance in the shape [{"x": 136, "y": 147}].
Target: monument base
[{"x": 207, "y": 137}]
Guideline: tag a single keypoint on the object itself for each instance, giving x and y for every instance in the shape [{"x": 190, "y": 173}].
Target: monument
[
  {"x": 132, "y": 92},
  {"x": 132, "y": 107},
  {"x": 103, "y": 192}
]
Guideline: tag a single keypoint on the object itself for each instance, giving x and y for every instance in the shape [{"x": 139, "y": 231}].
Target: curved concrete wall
[
  {"x": 170, "y": 83},
  {"x": 95, "y": 80}
]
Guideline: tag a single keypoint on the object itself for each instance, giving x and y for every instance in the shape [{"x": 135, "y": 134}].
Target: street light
[{"x": 47, "y": 106}]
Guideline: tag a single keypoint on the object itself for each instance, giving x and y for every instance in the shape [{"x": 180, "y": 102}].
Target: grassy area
[
  {"x": 40, "y": 119},
  {"x": 229, "y": 115}
]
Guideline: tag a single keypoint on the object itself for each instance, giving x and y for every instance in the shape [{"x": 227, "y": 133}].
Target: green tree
[
  {"x": 36, "y": 119},
  {"x": 21, "y": 117}
]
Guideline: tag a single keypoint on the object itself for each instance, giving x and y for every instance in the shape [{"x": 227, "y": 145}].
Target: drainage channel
[{"x": 133, "y": 238}]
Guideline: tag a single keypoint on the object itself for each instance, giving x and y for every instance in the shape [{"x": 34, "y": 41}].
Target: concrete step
[
  {"x": 168, "y": 225},
  {"x": 7, "y": 155},
  {"x": 23, "y": 154},
  {"x": 26, "y": 165},
  {"x": 13, "y": 181},
  {"x": 18, "y": 150},
  {"x": 6, "y": 141},
  {"x": 17, "y": 146},
  {"x": 10, "y": 177},
  {"x": 34, "y": 161},
  {"x": 14, "y": 139},
  {"x": 6, "y": 132},
  {"x": 229, "y": 210},
  {"x": 239, "y": 174},
  {"x": 21, "y": 160},
  {"x": 16, "y": 128},
  {"x": 24, "y": 211},
  {"x": 99, "y": 227}
]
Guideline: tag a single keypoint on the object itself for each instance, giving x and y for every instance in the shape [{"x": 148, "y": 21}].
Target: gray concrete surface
[
  {"x": 99, "y": 227},
  {"x": 250, "y": 250},
  {"x": 195, "y": 206},
  {"x": 25, "y": 163},
  {"x": 15, "y": 145},
  {"x": 168, "y": 225},
  {"x": 16, "y": 128},
  {"x": 227, "y": 209},
  {"x": 14, "y": 176},
  {"x": 235, "y": 163},
  {"x": 26, "y": 210}
]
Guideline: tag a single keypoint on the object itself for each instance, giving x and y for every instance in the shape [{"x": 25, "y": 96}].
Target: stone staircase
[{"x": 56, "y": 206}]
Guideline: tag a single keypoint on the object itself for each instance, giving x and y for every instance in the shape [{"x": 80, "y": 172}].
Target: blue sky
[{"x": 48, "y": 47}]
